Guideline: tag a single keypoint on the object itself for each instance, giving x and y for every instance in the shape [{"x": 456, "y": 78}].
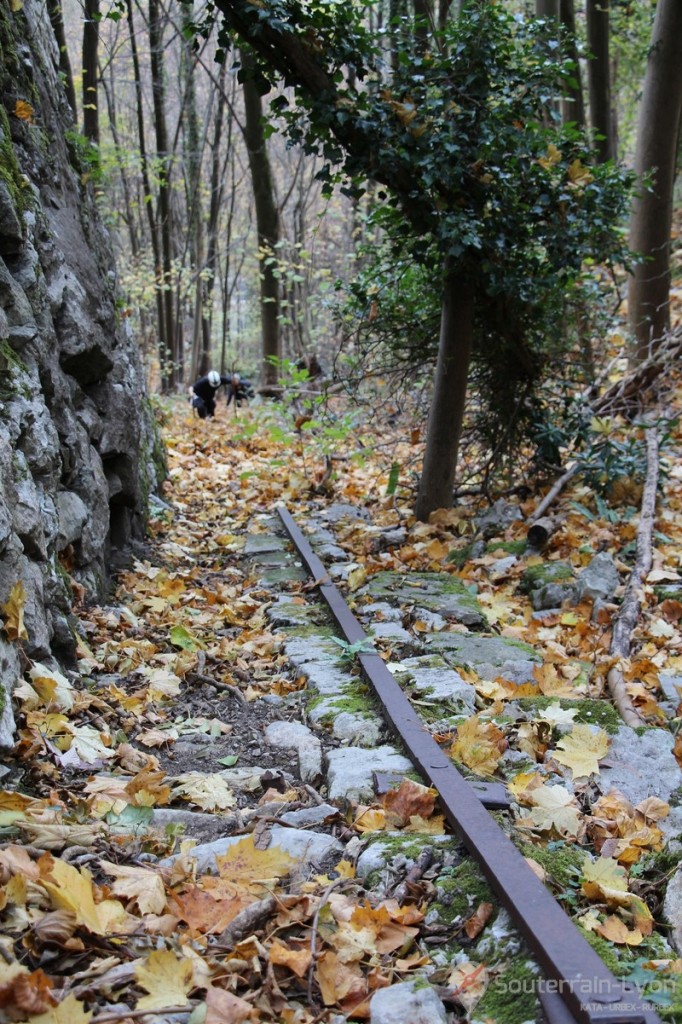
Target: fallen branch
[
  {"x": 247, "y": 922},
  {"x": 626, "y": 620},
  {"x": 631, "y": 394},
  {"x": 555, "y": 491}
]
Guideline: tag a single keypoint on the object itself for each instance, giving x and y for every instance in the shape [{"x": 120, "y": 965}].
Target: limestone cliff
[{"x": 77, "y": 441}]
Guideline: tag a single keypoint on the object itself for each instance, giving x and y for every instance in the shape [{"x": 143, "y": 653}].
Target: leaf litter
[{"x": 166, "y": 706}]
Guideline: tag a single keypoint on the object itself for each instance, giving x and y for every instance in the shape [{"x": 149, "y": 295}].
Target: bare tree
[
  {"x": 90, "y": 45},
  {"x": 599, "y": 79}
]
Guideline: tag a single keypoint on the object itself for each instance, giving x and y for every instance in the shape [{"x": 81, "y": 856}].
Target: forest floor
[{"x": 168, "y": 737}]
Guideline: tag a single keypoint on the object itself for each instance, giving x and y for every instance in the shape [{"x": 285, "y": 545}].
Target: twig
[
  {"x": 423, "y": 862},
  {"x": 200, "y": 678},
  {"x": 247, "y": 921},
  {"x": 555, "y": 491},
  {"x": 632, "y": 602}
]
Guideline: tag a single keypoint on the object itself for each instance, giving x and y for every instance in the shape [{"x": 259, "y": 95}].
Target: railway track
[{"x": 577, "y": 987}]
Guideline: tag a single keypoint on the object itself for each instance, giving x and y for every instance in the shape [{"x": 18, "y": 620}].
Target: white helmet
[{"x": 214, "y": 378}]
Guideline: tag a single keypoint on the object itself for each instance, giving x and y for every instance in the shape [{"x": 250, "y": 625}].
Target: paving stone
[
  {"x": 432, "y": 676},
  {"x": 642, "y": 766},
  {"x": 349, "y": 771},
  {"x": 318, "y": 647},
  {"x": 433, "y": 591},
  {"x": 380, "y": 853},
  {"x": 386, "y": 612},
  {"x": 287, "y": 612},
  {"x": 298, "y": 737},
  {"x": 326, "y": 678},
  {"x": 310, "y": 815},
  {"x": 339, "y": 511},
  {"x": 497, "y": 518},
  {"x": 354, "y": 727},
  {"x": 490, "y": 656},
  {"x": 261, "y": 543},
  {"x": 342, "y": 570},
  {"x": 672, "y": 909},
  {"x": 394, "y": 633},
  {"x": 309, "y": 849},
  {"x": 412, "y": 1001}
]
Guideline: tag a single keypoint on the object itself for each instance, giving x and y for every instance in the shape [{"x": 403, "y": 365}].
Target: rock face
[{"x": 78, "y": 449}]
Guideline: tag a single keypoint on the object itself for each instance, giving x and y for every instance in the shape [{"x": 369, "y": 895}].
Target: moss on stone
[
  {"x": 606, "y": 952},
  {"x": 11, "y": 367},
  {"x": 511, "y": 547},
  {"x": 511, "y": 996},
  {"x": 10, "y": 172},
  {"x": 537, "y": 576},
  {"x": 562, "y": 863},
  {"x": 589, "y": 711},
  {"x": 460, "y": 890},
  {"x": 459, "y": 556}
]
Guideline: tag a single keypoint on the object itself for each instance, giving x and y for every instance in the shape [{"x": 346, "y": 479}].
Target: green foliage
[{"x": 349, "y": 652}]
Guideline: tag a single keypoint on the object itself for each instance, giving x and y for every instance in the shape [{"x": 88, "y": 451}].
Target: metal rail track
[{"x": 578, "y": 987}]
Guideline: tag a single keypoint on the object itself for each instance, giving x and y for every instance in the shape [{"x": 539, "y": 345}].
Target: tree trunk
[
  {"x": 449, "y": 394},
  {"x": 657, "y": 140},
  {"x": 90, "y": 43},
  {"x": 57, "y": 19},
  {"x": 148, "y": 202},
  {"x": 547, "y": 9},
  {"x": 572, "y": 105},
  {"x": 599, "y": 80},
  {"x": 164, "y": 218},
  {"x": 267, "y": 224}
]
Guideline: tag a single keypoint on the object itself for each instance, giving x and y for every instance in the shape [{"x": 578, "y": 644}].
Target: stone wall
[{"x": 78, "y": 449}]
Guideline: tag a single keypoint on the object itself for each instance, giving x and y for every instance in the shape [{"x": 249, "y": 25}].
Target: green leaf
[
  {"x": 229, "y": 760},
  {"x": 181, "y": 637}
]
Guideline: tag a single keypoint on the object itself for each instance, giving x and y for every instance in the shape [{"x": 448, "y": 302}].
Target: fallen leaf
[
  {"x": 581, "y": 749},
  {"x": 142, "y": 885},
  {"x": 13, "y": 613},
  {"x": 167, "y": 978},
  {"x": 617, "y": 931}
]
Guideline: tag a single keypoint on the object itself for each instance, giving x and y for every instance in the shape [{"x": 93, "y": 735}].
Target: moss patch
[
  {"x": 511, "y": 996},
  {"x": 510, "y": 547},
  {"x": 11, "y": 368},
  {"x": 591, "y": 712},
  {"x": 563, "y": 863},
  {"x": 537, "y": 576},
  {"x": 459, "y": 891}
]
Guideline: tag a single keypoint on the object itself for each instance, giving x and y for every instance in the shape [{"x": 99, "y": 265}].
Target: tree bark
[
  {"x": 267, "y": 225},
  {"x": 657, "y": 140},
  {"x": 449, "y": 393},
  {"x": 599, "y": 80},
  {"x": 164, "y": 217},
  {"x": 148, "y": 199},
  {"x": 57, "y": 19},
  {"x": 572, "y": 104},
  {"x": 90, "y": 44}
]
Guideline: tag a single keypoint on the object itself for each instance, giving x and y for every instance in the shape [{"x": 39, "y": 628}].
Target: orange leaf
[
  {"x": 409, "y": 799},
  {"x": 24, "y": 111},
  {"x": 478, "y": 920},
  {"x": 297, "y": 960}
]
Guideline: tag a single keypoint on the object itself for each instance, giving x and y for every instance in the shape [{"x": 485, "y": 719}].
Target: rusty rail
[{"x": 578, "y": 987}]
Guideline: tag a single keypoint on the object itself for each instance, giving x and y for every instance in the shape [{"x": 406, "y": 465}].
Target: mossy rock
[
  {"x": 591, "y": 712},
  {"x": 537, "y": 576},
  {"x": 511, "y": 996},
  {"x": 510, "y": 547},
  {"x": 437, "y": 592}
]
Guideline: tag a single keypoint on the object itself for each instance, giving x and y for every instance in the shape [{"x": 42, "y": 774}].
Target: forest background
[{"x": 258, "y": 225}]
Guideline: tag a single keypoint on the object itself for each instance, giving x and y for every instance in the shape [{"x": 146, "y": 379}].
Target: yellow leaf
[
  {"x": 71, "y": 889},
  {"x": 69, "y": 1011},
  {"x": 479, "y": 745},
  {"x": 555, "y": 809},
  {"x": 24, "y": 111},
  {"x": 581, "y": 749},
  {"x": 356, "y": 578},
  {"x": 250, "y": 868},
  {"x": 210, "y": 792},
  {"x": 16, "y": 5},
  {"x": 13, "y": 613},
  {"x": 617, "y": 931},
  {"x": 145, "y": 887},
  {"x": 167, "y": 979},
  {"x": 52, "y": 686},
  {"x": 579, "y": 175},
  {"x": 373, "y": 819},
  {"x": 296, "y": 960},
  {"x": 553, "y": 157}
]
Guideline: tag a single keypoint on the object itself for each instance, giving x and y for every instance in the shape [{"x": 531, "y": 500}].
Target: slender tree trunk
[
  {"x": 267, "y": 225},
  {"x": 599, "y": 80},
  {"x": 572, "y": 104},
  {"x": 148, "y": 203},
  {"x": 449, "y": 394},
  {"x": 90, "y": 44},
  {"x": 547, "y": 9},
  {"x": 657, "y": 141},
  {"x": 164, "y": 214},
  {"x": 54, "y": 8},
  {"x": 127, "y": 212}
]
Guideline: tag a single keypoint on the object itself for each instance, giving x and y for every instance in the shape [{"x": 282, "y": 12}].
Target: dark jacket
[{"x": 204, "y": 390}]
